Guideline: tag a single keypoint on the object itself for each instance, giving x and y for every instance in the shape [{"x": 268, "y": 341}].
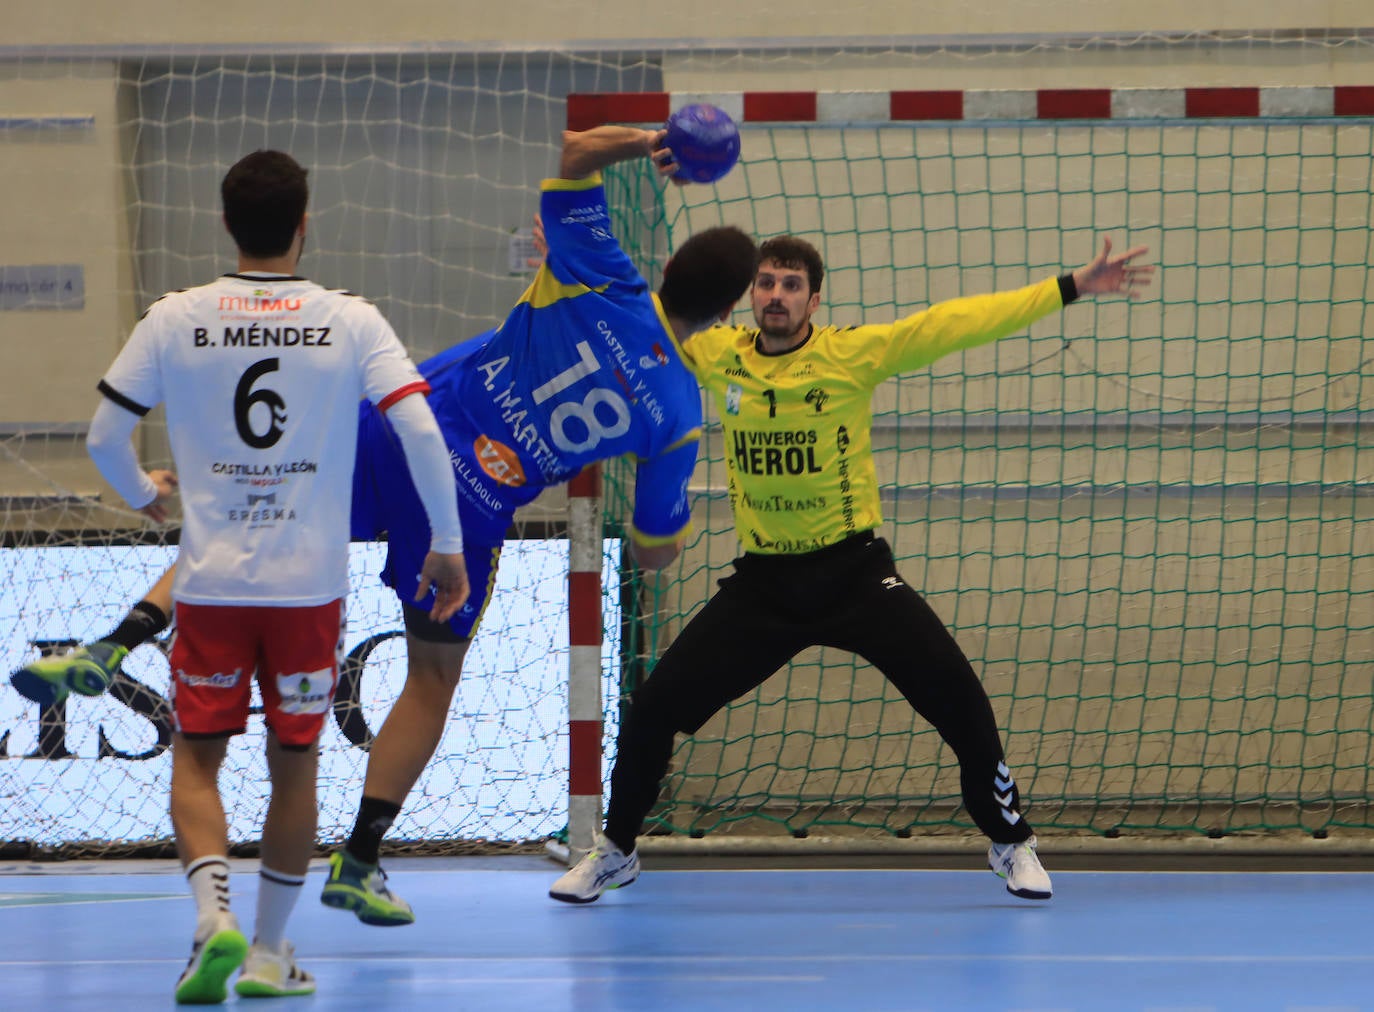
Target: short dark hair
[
  {"x": 708, "y": 274},
  {"x": 264, "y": 197},
  {"x": 797, "y": 255}
]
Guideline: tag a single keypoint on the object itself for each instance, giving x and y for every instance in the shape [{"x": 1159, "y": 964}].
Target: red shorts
[{"x": 296, "y": 653}]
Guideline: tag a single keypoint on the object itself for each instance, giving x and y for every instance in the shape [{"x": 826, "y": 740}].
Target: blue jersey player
[{"x": 586, "y": 367}]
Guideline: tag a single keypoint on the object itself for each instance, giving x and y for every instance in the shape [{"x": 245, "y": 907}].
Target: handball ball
[{"x": 704, "y": 141}]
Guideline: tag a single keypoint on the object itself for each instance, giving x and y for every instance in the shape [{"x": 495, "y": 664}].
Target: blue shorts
[{"x": 385, "y": 503}]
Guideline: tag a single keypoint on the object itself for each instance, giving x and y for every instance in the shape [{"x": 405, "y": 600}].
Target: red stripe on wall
[
  {"x": 584, "y": 609},
  {"x": 1221, "y": 102},
  {"x": 587, "y": 111},
  {"x": 908, "y": 105},
  {"x": 1073, "y": 103},
  {"x": 780, "y": 106},
  {"x": 584, "y": 757},
  {"x": 1353, "y": 100}
]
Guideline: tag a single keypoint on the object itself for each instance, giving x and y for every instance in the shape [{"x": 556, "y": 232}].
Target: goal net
[
  {"x": 1148, "y": 525},
  {"x": 424, "y": 170}
]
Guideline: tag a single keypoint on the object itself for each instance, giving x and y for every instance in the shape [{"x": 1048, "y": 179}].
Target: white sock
[
  {"x": 209, "y": 881},
  {"x": 277, "y": 895}
]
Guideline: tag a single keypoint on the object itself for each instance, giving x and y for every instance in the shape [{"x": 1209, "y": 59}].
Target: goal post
[
  {"x": 586, "y": 691},
  {"x": 1150, "y": 525}
]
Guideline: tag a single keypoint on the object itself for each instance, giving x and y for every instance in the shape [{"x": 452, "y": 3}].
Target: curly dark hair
[
  {"x": 797, "y": 255},
  {"x": 708, "y": 274}
]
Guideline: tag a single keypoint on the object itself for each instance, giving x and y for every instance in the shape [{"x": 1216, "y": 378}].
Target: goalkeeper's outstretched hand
[{"x": 1114, "y": 275}]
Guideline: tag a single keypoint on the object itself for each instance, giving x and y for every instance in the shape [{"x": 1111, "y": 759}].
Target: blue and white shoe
[
  {"x": 1019, "y": 865},
  {"x": 604, "y": 867},
  {"x": 86, "y": 670}
]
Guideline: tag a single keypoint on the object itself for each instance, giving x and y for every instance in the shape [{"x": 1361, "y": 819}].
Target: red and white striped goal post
[
  {"x": 589, "y": 110},
  {"x": 586, "y": 110}
]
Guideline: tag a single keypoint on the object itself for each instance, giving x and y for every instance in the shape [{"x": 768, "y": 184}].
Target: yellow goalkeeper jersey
[{"x": 798, "y": 440}]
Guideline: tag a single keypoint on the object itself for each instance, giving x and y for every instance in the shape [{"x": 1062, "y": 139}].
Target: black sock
[
  {"x": 375, "y": 817},
  {"x": 144, "y": 621}
]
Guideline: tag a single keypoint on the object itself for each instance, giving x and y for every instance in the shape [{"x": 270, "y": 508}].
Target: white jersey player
[
  {"x": 261, "y": 376},
  {"x": 261, "y": 373}
]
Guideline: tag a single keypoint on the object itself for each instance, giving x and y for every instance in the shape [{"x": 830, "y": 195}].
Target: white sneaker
[
  {"x": 605, "y": 867},
  {"x": 273, "y": 973},
  {"x": 1017, "y": 863},
  {"x": 215, "y": 955}
]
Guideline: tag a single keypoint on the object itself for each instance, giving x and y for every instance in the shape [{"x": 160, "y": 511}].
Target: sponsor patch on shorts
[
  {"x": 219, "y": 680},
  {"x": 306, "y": 691}
]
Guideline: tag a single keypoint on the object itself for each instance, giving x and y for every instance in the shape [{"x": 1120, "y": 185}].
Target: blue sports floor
[{"x": 488, "y": 938}]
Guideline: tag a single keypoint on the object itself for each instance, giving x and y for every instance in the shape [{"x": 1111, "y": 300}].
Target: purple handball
[{"x": 704, "y": 141}]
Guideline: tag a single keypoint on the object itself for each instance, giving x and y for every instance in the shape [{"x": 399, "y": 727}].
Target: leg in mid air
[
  {"x": 88, "y": 669},
  {"x": 404, "y": 745},
  {"x": 384, "y": 500}
]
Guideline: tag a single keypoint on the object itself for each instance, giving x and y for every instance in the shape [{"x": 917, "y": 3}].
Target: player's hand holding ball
[{"x": 701, "y": 142}]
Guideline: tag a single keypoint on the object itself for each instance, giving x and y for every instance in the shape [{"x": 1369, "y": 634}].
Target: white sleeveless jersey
[{"x": 262, "y": 376}]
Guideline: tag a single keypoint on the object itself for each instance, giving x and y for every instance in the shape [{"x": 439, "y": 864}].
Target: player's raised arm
[{"x": 589, "y": 151}]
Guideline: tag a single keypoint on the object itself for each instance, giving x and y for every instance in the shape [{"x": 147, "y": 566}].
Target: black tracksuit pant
[{"x": 846, "y": 596}]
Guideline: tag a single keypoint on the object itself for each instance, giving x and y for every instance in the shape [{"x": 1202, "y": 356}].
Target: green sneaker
[
  {"x": 362, "y": 888},
  {"x": 212, "y": 962},
  {"x": 86, "y": 670}
]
